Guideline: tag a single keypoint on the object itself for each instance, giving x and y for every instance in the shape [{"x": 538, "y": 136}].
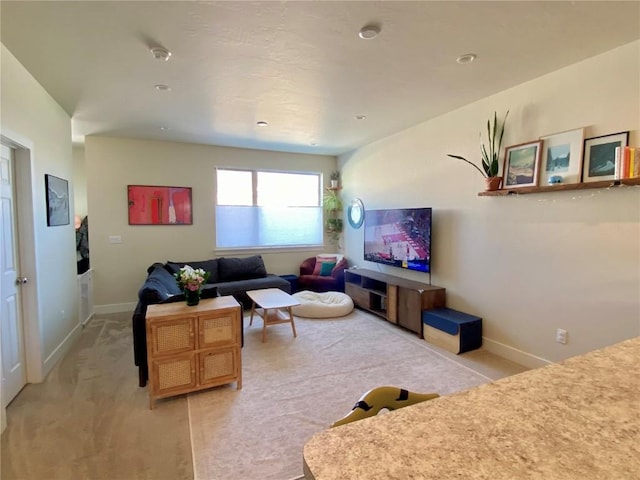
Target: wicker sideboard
[{"x": 193, "y": 348}]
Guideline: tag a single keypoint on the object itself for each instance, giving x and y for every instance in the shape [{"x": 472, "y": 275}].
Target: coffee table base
[
  {"x": 273, "y": 316},
  {"x": 274, "y": 307}
]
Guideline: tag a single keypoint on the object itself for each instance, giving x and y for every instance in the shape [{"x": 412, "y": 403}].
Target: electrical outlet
[{"x": 561, "y": 336}]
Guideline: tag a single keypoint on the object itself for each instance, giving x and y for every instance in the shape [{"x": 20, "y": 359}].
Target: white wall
[
  {"x": 30, "y": 117},
  {"x": 113, "y": 163},
  {"x": 79, "y": 181},
  {"x": 527, "y": 264}
]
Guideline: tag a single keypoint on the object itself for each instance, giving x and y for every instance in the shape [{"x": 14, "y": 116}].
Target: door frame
[{"x": 24, "y": 184}]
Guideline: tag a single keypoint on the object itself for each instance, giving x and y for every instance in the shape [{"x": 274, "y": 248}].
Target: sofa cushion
[
  {"x": 210, "y": 266},
  {"x": 241, "y": 286},
  {"x": 158, "y": 287},
  {"x": 235, "y": 269}
]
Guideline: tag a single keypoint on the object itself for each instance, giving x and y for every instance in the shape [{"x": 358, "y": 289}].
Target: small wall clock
[{"x": 355, "y": 213}]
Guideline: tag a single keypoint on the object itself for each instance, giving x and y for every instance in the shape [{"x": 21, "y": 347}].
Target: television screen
[{"x": 399, "y": 237}]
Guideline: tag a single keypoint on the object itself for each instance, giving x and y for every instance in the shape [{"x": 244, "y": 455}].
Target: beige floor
[{"x": 90, "y": 420}]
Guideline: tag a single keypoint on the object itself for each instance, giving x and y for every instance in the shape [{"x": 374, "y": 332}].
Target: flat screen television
[{"x": 399, "y": 237}]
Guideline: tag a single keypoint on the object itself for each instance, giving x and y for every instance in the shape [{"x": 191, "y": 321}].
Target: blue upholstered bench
[{"x": 452, "y": 330}]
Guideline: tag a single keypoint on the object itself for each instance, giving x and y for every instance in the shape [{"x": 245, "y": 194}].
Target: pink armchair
[{"x": 333, "y": 281}]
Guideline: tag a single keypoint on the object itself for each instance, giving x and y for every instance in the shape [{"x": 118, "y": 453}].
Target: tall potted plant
[
  {"x": 332, "y": 206},
  {"x": 490, "y": 154}
]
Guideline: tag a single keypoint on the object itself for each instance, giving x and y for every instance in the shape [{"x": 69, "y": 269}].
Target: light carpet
[
  {"x": 296, "y": 387},
  {"x": 90, "y": 420}
]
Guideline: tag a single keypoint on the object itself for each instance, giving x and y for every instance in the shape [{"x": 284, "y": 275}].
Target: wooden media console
[{"x": 395, "y": 299}]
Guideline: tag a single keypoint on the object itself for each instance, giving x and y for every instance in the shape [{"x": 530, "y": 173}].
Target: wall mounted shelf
[{"x": 561, "y": 187}]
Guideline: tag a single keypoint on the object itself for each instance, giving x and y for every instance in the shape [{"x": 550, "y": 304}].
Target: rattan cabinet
[{"x": 192, "y": 348}]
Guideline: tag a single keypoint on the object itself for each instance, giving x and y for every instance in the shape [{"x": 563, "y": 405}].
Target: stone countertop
[{"x": 579, "y": 419}]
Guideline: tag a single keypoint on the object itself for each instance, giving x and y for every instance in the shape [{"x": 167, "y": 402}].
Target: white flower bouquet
[{"x": 191, "y": 279}]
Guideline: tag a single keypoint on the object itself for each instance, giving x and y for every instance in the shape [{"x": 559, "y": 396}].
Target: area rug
[{"x": 296, "y": 387}]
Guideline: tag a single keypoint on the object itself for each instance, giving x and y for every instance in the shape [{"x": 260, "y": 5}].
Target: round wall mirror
[{"x": 355, "y": 213}]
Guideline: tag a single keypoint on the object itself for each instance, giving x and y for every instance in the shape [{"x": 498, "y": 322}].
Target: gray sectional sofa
[{"x": 228, "y": 276}]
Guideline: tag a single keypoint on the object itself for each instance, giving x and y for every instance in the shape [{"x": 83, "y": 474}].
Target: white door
[{"x": 11, "y": 330}]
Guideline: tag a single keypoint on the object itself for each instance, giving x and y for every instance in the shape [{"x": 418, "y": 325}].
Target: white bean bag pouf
[{"x": 322, "y": 305}]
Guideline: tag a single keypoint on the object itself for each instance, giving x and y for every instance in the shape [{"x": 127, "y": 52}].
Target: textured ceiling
[{"x": 299, "y": 66}]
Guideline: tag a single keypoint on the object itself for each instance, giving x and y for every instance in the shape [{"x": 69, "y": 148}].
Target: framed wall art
[
  {"x": 521, "y": 165},
  {"x": 159, "y": 205},
  {"x": 600, "y": 156},
  {"x": 57, "y": 200},
  {"x": 561, "y": 157}
]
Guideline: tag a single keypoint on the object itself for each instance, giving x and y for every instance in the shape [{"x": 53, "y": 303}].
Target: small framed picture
[
  {"x": 522, "y": 165},
  {"x": 561, "y": 157},
  {"x": 599, "y": 162},
  {"x": 57, "y": 200}
]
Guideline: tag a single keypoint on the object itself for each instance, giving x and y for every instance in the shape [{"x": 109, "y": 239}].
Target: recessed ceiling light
[
  {"x": 262, "y": 124},
  {"x": 160, "y": 53},
  {"x": 466, "y": 58},
  {"x": 369, "y": 31},
  {"x": 163, "y": 88},
  {"x": 360, "y": 117}
]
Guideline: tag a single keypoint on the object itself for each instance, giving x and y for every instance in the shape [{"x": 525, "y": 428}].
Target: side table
[{"x": 193, "y": 348}]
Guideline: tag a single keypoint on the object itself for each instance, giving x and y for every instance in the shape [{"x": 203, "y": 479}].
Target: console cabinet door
[
  {"x": 218, "y": 366},
  {"x": 173, "y": 375},
  {"x": 217, "y": 329},
  {"x": 410, "y": 309},
  {"x": 169, "y": 337}
]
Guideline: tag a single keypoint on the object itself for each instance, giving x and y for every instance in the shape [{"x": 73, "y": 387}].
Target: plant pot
[
  {"x": 493, "y": 183},
  {"x": 334, "y": 183}
]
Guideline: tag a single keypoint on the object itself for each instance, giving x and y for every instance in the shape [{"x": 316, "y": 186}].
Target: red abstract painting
[{"x": 151, "y": 205}]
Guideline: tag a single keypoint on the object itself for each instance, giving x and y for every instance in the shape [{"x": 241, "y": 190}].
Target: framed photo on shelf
[
  {"x": 599, "y": 161},
  {"x": 159, "y": 205},
  {"x": 561, "y": 157},
  {"x": 522, "y": 165},
  {"x": 57, "y": 200}
]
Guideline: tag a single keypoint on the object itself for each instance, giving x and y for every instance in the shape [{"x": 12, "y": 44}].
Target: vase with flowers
[{"x": 191, "y": 280}]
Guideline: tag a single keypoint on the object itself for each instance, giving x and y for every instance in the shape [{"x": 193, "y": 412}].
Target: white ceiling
[{"x": 297, "y": 65}]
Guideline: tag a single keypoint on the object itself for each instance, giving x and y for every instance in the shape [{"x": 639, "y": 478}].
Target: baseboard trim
[
  {"x": 114, "y": 308},
  {"x": 61, "y": 350},
  {"x": 505, "y": 351}
]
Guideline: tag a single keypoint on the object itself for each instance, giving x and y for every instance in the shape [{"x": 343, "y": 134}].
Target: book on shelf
[{"x": 627, "y": 162}]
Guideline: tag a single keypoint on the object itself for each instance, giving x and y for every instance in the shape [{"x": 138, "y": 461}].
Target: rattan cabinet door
[
  {"x": 218, "y": 366},
  {"x": 219, "y": 329},
  {"x": 169, "y": 337},
  {"x": 173, "y": 375}
]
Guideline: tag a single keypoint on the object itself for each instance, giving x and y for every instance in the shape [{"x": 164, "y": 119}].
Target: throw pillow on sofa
[
  {"x": 320, "y": 259},
  {"x": 234, "y": 269},
  {"x": 327, "y": 268},
  {"x": 210, "y": 266}
]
